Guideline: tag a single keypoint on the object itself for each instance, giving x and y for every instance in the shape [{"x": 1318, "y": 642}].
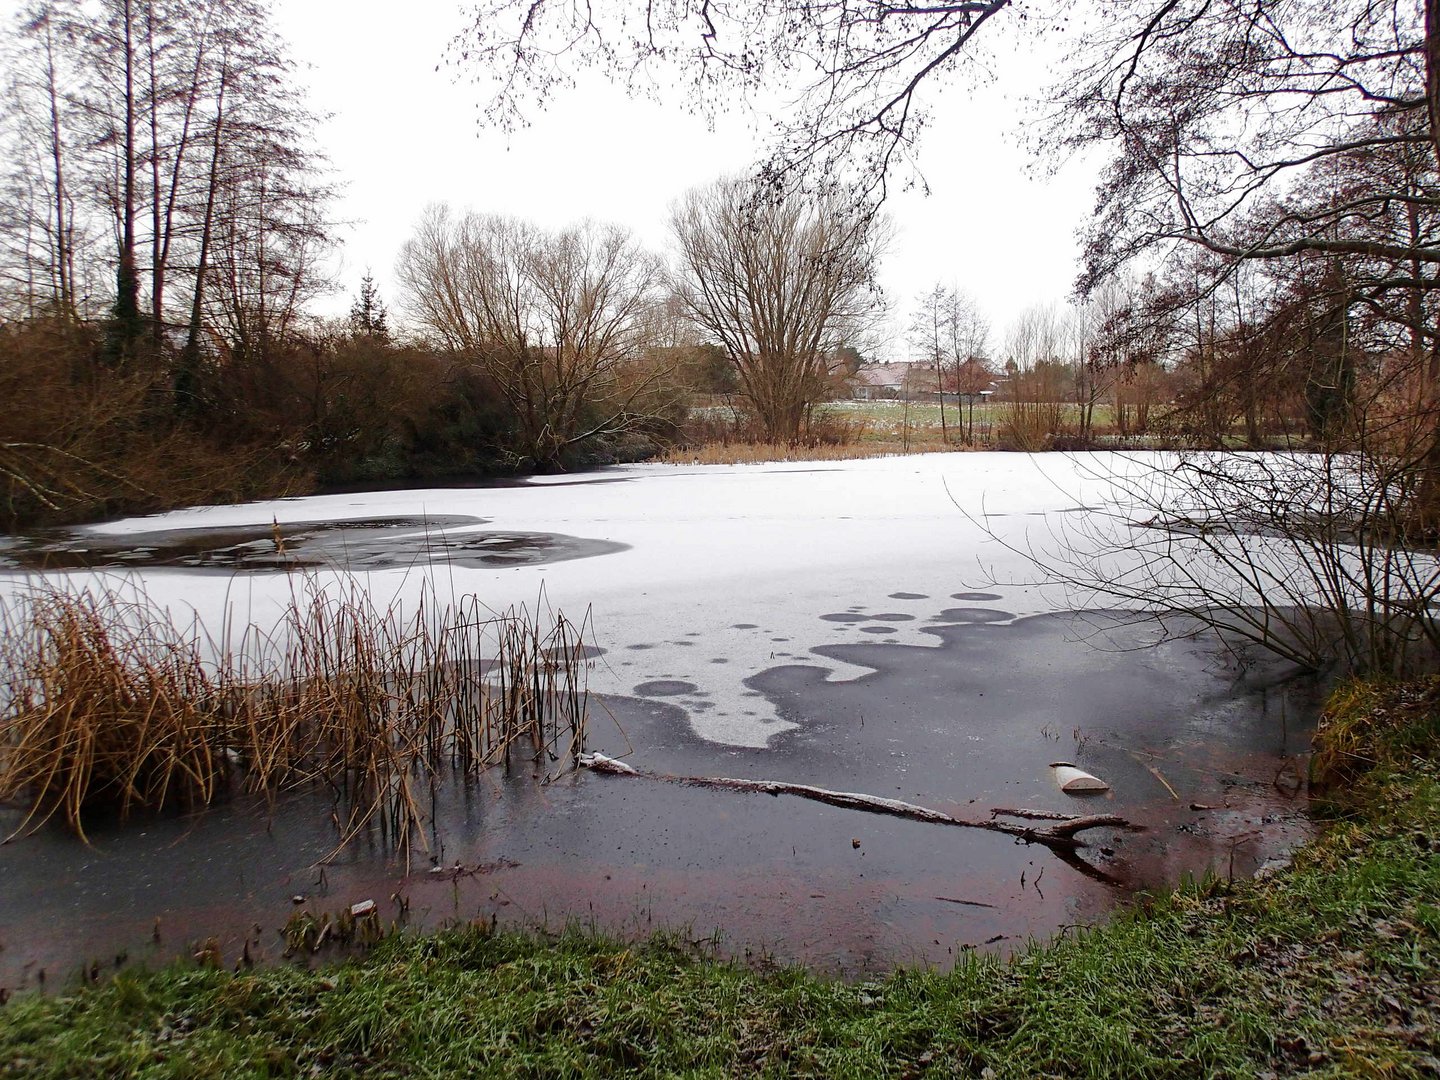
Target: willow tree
[
  {"x": 558, "y": 320},
  {"x": 780, "y": 285}
]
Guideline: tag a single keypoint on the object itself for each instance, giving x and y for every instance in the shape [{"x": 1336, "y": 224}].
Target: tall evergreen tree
[{"x": 368, "y": 316}]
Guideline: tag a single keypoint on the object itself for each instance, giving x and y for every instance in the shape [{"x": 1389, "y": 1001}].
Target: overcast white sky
[{"x": 403, "y": 134}]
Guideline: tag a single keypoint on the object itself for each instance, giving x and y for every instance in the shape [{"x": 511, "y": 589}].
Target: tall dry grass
[
  {"x": 757, "y": 453},
  {"x": 108, "y": 707}
]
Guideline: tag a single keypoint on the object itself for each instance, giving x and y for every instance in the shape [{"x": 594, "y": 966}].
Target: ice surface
[{"x": 730, "y": 570}]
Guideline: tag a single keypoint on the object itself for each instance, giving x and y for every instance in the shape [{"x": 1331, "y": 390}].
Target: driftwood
[{"x": 1060, "y": 837}]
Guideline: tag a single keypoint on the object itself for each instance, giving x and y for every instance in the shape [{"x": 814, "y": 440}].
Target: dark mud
[
  {"x": 969, "y": 725},
  {"x": 367, "y": 544}
]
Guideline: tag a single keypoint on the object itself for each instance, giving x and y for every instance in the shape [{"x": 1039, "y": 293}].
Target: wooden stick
[
  {"x": 1155, "y": 772},
  {"x": 1058, "y": 837},
  {"x": 1039, "y": 815}
]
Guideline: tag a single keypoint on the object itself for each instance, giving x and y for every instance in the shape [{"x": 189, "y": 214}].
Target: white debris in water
[
  {"x": 1076, "y": 781},
  {"x": 604, "y": 763}
]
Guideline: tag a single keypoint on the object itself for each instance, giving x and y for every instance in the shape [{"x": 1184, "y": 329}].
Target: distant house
[
  {"x": 893, "y": 382},
  {"x": 876, "y": 382}
]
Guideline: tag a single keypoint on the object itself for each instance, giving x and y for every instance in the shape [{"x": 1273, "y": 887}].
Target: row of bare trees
[
  {"x": 574, "y": 325},
  {"x": 1061, "y": 374},
  {"x": 163, "y": 220},
  {"x": 159, "y": 171},
  {"x": 952, "y": 336}
]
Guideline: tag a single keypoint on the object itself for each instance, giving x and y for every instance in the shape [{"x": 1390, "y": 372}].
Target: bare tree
[
  {"x": 780, "y": 285},
  {"x": 157, "y": 122},
  {"x": 1038, "y": 379},
  {"x": 41, "y": 229},
  {"x": 929, "y": 337},
  {"x": 1304, "y": 136},
  {"x": 557, "y": 320},
  {"x": 1094, "y": 372},
  {"x": 951, "y": 334},
  {"x": 1036, "y": 336},
  {"x": 1218, "y": 109},
  {"x": 858, "y": 70}
]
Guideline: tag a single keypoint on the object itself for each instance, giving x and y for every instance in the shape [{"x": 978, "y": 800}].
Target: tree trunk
[
  {"x": 64, "y": 249},
  {"x": 187, "y": 372},
  {"x": 125, "y": 328}
]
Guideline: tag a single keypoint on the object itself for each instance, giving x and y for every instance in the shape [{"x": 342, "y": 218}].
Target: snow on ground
[{"x": 729, "y": 570}]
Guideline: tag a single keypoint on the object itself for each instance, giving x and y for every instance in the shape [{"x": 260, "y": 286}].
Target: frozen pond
[
  {"x": 702, "y": 575},
  {"x": 836, "y": 624}
]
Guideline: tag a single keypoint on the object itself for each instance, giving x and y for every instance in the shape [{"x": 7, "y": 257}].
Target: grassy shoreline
[{"x": 1329, "y": 968}]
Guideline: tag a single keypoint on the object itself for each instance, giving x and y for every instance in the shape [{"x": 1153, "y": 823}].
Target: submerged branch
[{"x": 1060, "y": 837}]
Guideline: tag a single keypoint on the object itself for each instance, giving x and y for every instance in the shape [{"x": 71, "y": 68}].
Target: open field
[
  {"x": 847, "y": 430},
  {"x": 886, "y": 421}
]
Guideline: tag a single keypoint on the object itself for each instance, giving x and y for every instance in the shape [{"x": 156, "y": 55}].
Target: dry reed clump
[
  {"x": 107, "y": 706},
  {"x": 102, "y": 705}
]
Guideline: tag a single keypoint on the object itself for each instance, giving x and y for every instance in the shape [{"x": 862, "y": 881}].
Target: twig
[
  {"x": 1158, "y": 776},
  {"x": 967, "y": 903}
]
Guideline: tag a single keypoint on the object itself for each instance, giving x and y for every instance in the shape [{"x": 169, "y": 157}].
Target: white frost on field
[{"x": 729, "y": 569}]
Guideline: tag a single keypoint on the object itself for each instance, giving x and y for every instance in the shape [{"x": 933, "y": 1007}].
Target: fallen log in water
[{"x": 1060, "y": 837}]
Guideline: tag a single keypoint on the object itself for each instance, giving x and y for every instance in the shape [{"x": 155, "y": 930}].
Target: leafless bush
[
  {"x": 1308, "y": 556},
  {"x": 1028, "y": 426}
]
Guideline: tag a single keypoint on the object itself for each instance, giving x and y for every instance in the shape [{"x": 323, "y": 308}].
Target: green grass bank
[{"x": 1329, "y": 968}]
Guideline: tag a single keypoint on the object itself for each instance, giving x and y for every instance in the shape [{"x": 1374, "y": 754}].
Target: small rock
[
  {"x": 363, "y": 908},
  {"x": 297, "y": 899},
  {"x": 854, "y": 843}
]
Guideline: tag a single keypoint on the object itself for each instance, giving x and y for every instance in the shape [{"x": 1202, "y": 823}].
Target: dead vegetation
[
  {"x": 760, "y": 453},
  {"x": 109, "y": 707}
]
